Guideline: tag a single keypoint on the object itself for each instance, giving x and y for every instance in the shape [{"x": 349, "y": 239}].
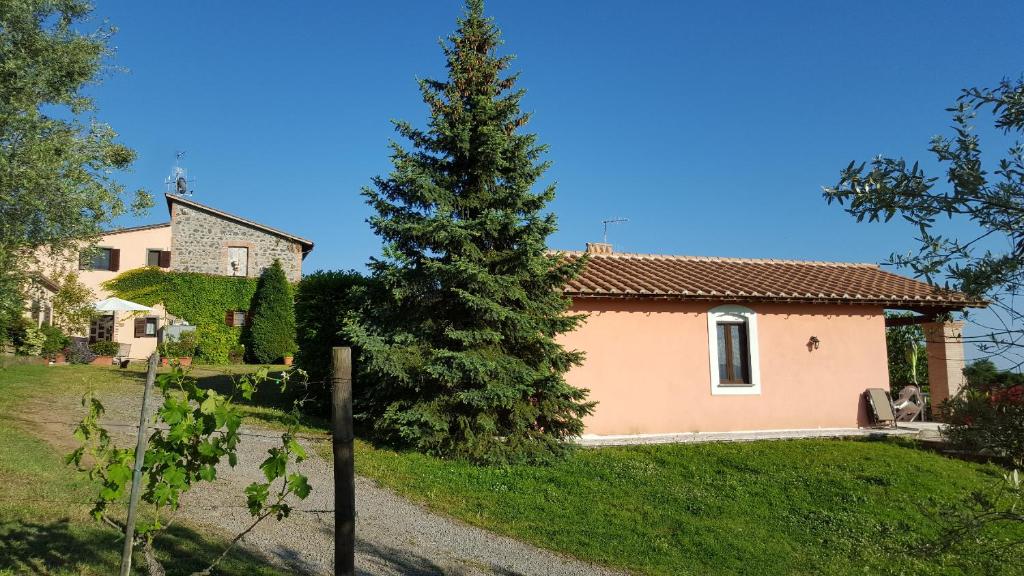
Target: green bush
[
  {"x": 987, "y": 416},
  {"x": 270, "y": 334},
  {"x": 31, "y": 342},
  {"x": 201, "y": 299},
  {"x": 184, "y": 346},
  {"x": 105, "y": 348},
  {"x": 214, "y": 342},
  {"x": 55, "y": 341},
  {"x": 322, "y": 300}
]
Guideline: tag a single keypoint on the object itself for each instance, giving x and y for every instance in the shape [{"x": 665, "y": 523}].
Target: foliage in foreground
[
  {"x": 987, "y": 416},
  {"x": 200, "y": 299},
  {"x": 823, "y": 507},
  {"x": 270, "y": 332},
  {"x": 196, "y": 429},
  {"x": 973, "y": 525},
  {"x": 457, "y": 336},
  {"x": 44, "y": 522},
  {"x": 57, "y": 162},
  {"x": 990, "y": 261}
]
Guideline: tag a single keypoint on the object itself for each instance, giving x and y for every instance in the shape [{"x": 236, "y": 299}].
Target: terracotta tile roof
[{"x": 739, "y": 279}]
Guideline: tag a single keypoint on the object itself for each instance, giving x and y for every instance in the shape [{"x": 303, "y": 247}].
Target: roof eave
[{"x": 945, "y": 305}]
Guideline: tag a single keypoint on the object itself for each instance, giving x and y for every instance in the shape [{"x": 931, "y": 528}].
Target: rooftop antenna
[
  {"x": 179, "y": 182},
  {"x": 612, "y": 221}
]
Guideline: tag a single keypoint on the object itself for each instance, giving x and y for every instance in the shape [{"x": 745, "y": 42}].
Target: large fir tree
[{"x": 457, "y": 338}]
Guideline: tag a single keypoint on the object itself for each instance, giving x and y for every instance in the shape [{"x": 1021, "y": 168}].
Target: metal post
[
  {"x": 140, "y": 454},
  {"x": 344, "y": 472}
]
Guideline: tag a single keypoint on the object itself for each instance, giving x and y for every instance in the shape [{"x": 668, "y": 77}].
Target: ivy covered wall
[{"x": 200, "y": 299}]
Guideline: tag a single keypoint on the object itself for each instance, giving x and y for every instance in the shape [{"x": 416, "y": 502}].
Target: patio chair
[
  {"x": 909, "y": 405},
  {"x": 880, "y": 405},
  {"x": 123, "y": 350}
]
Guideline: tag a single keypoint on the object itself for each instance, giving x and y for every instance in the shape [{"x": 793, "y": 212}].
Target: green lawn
[
  {"x": 782, "y": 507},
  {"x": 772, "y": 507},
  {"x": 44, "y": 523}
]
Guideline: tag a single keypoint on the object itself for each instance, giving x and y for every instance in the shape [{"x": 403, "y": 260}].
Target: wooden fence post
[
  {"x": 344, "y": 472},
  {"x": 140, "y": 453}
]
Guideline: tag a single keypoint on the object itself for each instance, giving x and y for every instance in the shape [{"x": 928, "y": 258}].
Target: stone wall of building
[{"x": 201, "y": 242}]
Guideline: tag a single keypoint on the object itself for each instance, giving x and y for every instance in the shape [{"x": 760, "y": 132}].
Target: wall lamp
[{"x": 813, "y": 343}]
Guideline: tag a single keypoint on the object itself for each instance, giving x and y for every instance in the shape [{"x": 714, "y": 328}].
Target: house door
[{"x": 101, "y": 328}]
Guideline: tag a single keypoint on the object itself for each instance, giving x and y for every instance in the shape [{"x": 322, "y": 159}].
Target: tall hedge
[
  {"x": 200, "y": 299},
  {"x": 270, "y": 334},
  {"x": 322, "y": 300}
]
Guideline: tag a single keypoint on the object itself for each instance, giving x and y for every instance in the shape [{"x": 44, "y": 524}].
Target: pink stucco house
[{"x": 678, "y": 344}]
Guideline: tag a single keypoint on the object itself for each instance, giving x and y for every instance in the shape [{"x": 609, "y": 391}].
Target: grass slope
[
  {"x": 44, "y": 522},
  {"x": 774, "y": 507}
]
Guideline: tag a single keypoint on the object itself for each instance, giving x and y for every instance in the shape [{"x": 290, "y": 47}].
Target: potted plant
[
  {"x": 105, "y": 350},
  {"x": 55, "y": 344},
  {"x": 182, "y": 349}
]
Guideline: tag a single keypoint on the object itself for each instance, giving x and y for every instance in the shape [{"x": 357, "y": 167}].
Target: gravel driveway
[{"x": 393, "y": 535}]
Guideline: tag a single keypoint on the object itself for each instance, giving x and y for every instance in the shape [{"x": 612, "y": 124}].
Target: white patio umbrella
[{"x": 119, "y": 305}]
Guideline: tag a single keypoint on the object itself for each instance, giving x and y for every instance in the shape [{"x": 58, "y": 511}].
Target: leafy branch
[{"x": 195, "y": 430}]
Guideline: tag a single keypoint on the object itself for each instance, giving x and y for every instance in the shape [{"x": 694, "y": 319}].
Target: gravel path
[{"x": 393, "y": 535}]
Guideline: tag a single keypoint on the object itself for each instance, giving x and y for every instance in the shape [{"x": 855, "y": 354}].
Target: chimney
[{"x": 599, "y": 248}]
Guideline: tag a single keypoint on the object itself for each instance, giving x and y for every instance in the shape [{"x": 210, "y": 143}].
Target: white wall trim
[{"x": 734, "y": 313}]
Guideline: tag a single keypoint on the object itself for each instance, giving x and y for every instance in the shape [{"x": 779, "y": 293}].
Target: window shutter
[
  {"x": 230, "y": 318},
  {"x": 165, "y": 259},
  {"x": 140, "y": 327},
  {"x": 115, "y": 259}
]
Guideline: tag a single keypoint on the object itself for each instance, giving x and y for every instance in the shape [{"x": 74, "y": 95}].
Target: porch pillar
[{"x": 945, "y": 347}]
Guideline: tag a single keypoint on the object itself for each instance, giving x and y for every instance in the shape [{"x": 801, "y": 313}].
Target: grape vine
[{"x": 194, "y": 430}]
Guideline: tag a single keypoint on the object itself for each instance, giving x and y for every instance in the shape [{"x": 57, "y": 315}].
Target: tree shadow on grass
[
  {"x": 42, "y": 548},
  {"x": 268, "y": 395},
  {"x": 37, "y": 548}
]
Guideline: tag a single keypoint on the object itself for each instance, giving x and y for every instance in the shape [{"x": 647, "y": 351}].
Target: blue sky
[{"x": 710, "y": 126}]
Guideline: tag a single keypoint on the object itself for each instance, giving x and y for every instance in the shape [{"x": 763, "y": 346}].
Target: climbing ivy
[{"x": 199, "y": 299}]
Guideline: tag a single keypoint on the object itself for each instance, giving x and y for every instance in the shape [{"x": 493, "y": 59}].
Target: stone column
[{"x": 945, "y": 347}]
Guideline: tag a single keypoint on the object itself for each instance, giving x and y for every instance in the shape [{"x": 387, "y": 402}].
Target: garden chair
[
  {"x": 123, "y": 350},
  {"x": 909, "y": 405},
  {"x": 880, "y": 404}
]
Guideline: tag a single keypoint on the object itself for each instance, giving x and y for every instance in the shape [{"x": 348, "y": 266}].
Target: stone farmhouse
[{"x": 198, "y": 238}]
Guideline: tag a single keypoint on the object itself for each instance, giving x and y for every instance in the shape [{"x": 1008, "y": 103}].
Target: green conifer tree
[
  {"x": 270, "y": 334},
  {"x": 457, "y": 336}
]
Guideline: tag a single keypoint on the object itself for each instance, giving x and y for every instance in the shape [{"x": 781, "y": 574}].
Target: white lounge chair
[{"x": 909, "y": 406}]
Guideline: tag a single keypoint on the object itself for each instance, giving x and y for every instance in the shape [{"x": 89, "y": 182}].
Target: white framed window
[{"x": 733, "y": 351}]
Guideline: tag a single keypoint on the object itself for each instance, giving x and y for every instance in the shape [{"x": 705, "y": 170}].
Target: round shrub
[
  {"x": 55, "y": 341},
  {"x": 105, "y": 348}
]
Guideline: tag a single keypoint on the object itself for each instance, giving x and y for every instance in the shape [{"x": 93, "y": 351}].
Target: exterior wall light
[{"x": 813, "y": 343}]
